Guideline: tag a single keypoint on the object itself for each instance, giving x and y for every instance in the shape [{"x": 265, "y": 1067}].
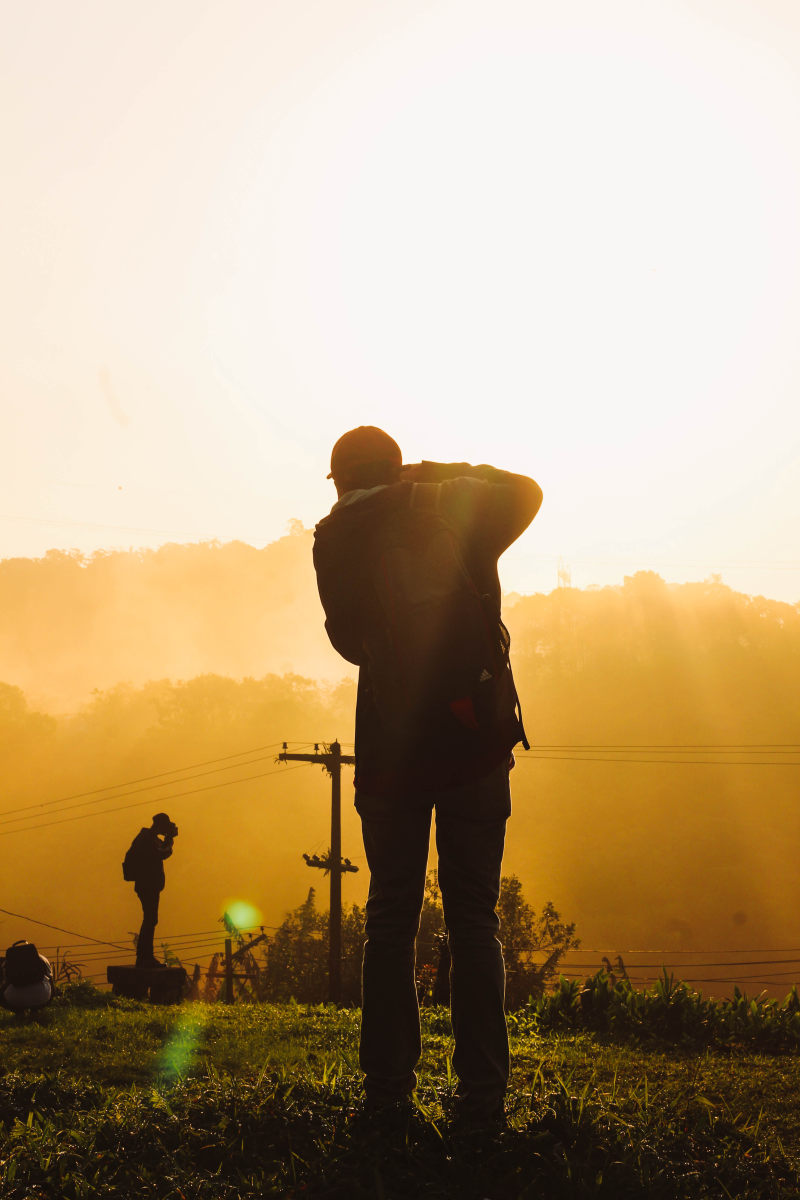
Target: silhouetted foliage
[
  {"x": 73, "y": 623},
  {"x": 533, "y": 943},
  {"x": 430, "y": 946},
  {"x": 297, "y": 959},
  {"x": 640, "y": 853},
  {"x": 669, "y": 1010}
]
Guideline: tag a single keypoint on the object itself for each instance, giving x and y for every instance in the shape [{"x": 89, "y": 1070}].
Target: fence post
[{"x": 228, "y": 972}]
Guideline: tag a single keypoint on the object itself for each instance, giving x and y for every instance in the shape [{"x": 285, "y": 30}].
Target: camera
[{"x": 163, "y": 826}]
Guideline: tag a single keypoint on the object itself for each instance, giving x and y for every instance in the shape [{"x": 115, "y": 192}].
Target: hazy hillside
[
  {"x": 696, "y": 846},
  {"x": 658, "y": 806},
  {"x": 72, "y": 624}
]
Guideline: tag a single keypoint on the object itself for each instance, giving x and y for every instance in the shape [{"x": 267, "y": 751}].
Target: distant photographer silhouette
[{"x": 144, "y": 867}]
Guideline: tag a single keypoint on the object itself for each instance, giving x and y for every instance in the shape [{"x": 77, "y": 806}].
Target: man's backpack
[
  {"x": 132, "y": 862},
  {"x": 436, "y": 649},
  {"x": 24, "y": 965}
]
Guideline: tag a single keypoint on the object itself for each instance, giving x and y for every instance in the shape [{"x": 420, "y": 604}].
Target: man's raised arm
[{"x": 504, "y": 509}]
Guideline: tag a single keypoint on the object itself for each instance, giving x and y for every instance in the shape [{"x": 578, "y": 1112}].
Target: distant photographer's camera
[{"x": 164, "y": 827}]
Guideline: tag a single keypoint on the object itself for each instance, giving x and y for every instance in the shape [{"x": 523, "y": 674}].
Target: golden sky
[{"x": 559, "y": 237}]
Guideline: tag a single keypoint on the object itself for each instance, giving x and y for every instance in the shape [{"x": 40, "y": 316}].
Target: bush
[{"x": 669, "y": 1010}]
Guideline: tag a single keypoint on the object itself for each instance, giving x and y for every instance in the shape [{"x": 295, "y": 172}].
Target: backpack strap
[
  {"x": 428, "y": 496},
  {"x": 425, "y": 495}
]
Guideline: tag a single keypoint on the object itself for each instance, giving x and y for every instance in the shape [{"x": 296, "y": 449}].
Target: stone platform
[{"x": 161, "y": 985}]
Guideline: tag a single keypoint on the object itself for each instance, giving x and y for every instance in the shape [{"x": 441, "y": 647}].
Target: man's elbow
[
  {"x": 528, "y": 500},
  {"x": 345, "y": 643}
]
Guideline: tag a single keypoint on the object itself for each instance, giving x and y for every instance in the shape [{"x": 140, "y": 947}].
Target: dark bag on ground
[
  {"x": 437, "y": 654},
  {"x": 24, "y": 965}
]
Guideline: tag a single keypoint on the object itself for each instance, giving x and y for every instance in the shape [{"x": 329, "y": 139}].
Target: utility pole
[
  {"x": 228, "y": 972},
  {"x": 330, "y": 759}
]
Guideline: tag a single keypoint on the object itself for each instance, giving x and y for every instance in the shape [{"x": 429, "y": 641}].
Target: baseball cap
[{"x": 365, "y": 445}]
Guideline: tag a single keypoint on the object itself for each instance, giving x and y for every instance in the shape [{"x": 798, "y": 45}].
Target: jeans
[
  {"x": 148, "y": 895},
  {"x": 470, "y": 833}
]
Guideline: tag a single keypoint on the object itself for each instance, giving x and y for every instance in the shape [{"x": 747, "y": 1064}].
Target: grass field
[{"x": 110, "y": 1098}]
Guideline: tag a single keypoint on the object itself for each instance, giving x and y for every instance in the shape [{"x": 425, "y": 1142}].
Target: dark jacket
[
  {"x": 487, "y": 510},
  {"x": 150, "y": 851}
]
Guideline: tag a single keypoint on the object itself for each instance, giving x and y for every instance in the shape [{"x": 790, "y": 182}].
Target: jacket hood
[{"x": 358, "y": 509}]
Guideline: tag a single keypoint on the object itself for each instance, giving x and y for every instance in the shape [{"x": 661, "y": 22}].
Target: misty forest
[{"x": 654, "y": 810}]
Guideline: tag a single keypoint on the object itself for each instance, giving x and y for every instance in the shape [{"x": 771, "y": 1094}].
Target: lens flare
[
  {"x": 243, "y": 914},
  {"x": 178, "y": 1051}
]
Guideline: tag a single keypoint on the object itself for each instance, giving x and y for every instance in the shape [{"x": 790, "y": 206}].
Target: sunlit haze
[{"x": 559, "y": 238}]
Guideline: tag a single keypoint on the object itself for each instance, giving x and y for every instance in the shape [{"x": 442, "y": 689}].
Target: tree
[
  {"x": 298, "y": 954},
  {"x": 533, "y": 943},
  {"x": 432, "y": 953},
  {"x": 296, "y": 961}
]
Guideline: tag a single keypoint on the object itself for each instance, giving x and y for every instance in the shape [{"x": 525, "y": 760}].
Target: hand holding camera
[{"x": 164, "y": 827}]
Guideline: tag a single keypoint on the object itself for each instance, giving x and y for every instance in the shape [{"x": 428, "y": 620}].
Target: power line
[
  {"x": 777, "y": 983},
  {"x": 665, "y": 747},
  {"x": 191, "y": 948},
  {"x": 580, "y": 748},
  {"x": 148, "y": 788},
  {"x": 542, "y": 754},
  {"x": 677, "y": 747},
  {"x": 196, "y": 933},
  {"x": 708, "y": 978},
  {"x": 740, "y": 978},
  {"x": 138, "y": 803},
  {"x": 672, "y": 953},
  {"x": 72, "y": 932},
  {"x": 763, "y": 962},
  {"x": 208, "y": 947},
  {"x": 178, "y": 943},
  {"x": 144, "y": 778},
  {"x": 673, "y": 762}
]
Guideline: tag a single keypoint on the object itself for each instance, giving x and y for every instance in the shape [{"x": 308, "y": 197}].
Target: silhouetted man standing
[
  {"x": 144, "y": 865},
  {"x": 406, "y": 566}
]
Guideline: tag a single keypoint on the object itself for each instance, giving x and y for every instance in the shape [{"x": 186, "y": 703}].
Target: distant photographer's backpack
[
  {"x": 24, "y": 965},
  {"x": 132, "y": 864},
  {"x": 437, "y": 651}
]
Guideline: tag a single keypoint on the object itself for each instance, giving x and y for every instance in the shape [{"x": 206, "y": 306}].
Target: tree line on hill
[
  {"x": 640, "y": 847},
  {"x": 75, "y": 624}
]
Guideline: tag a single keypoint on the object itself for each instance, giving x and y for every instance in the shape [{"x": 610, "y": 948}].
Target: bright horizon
[{"x": 561, "y": 240}]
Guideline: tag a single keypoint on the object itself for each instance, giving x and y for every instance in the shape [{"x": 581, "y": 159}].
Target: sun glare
[
  {"x": 243, "y": 914},
  {"x": 553, "y": 228},
  {"x": 558, "y": 238}
]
